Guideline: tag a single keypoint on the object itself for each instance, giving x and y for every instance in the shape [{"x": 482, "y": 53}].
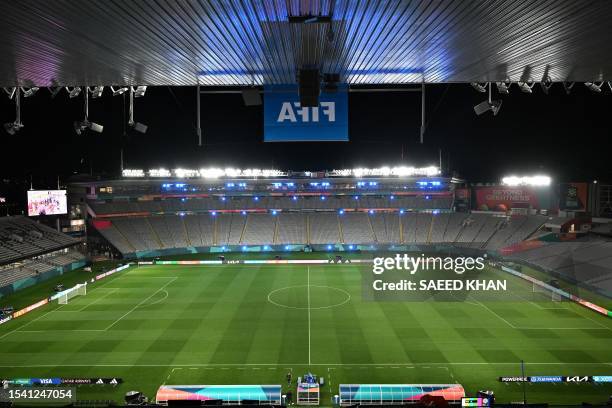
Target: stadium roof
[{"x": 241, "y": 42}]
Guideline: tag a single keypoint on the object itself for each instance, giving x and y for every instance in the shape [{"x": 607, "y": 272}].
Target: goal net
[
  {"x": 547, "y": 293},
  {"x": 78, "y": 290}
]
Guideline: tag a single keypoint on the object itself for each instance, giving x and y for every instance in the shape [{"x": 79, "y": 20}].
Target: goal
[
  {"x": 78, "y": 290},
  {"x": 548, "y": 293}
]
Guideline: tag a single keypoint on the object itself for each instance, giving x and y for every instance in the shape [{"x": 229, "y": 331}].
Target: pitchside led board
[{"x": 286, "y": 121}]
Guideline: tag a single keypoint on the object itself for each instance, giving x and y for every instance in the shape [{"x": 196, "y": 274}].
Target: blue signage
[
  {"x": 285, "y": 120},
  {"x": 546, "y": 379}
]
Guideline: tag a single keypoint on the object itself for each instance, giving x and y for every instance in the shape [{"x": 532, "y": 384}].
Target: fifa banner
[
  {"x": 285, "y": 120},
  {"x": 503, "y": 198}
]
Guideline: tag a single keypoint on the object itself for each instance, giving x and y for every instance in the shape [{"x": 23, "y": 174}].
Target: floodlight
[
  {"x": 97, "y": 91},
  {"x": 139, "y": 127},
  {"x": 503, "y": 88},
  {"x": 13, "y": 127},
  {"x": 568, "y": 87},
  {"x": 139, "y": 90},
  {"x": 594, "y": 87},
  {"x": 95, "y": 127},
  {"x": 10, "y": 92},
  {"x": 78, "y": 128},
  {"x": 74, "y": 92},
  {"x": 479, "y": 87},
  {"x": 118, "y": 91},
  {"x": 27, "y": 92},
  {"x": 526, "y": 86},
  {"x": 493, "y": 106}
]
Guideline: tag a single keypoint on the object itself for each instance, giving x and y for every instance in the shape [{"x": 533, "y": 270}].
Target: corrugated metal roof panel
[{"x": 239, "y": 42}]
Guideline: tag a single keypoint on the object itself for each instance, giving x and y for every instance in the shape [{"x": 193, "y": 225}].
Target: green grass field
[{"x": 242, "y": 324}]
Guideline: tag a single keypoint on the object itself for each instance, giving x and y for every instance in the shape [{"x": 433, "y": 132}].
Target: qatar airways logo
[{"x": 294, "y": 112}]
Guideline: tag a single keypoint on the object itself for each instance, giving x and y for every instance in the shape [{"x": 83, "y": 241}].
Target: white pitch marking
[{"x": 135, "y": 307}]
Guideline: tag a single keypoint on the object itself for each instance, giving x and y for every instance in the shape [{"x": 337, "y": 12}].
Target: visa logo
[{"x": 291, "y": 111}]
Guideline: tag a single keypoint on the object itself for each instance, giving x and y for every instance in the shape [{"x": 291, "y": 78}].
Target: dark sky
[{"x": 564, "y": 136}]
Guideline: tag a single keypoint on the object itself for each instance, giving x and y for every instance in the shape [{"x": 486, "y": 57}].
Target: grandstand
[{"x": 32, "y": 250}]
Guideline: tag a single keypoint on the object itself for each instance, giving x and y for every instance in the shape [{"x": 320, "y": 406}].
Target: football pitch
[{"x": 249, "y": 324}]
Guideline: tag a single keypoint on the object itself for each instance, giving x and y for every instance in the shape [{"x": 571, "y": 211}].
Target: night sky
[{"x": 564, "y": 136}]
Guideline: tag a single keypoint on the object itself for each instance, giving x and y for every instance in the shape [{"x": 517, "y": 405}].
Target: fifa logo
[{"x": 292, "y": 111}]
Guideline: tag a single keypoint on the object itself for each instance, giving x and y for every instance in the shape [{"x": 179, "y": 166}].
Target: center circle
[{"x": 304, "y": 297}]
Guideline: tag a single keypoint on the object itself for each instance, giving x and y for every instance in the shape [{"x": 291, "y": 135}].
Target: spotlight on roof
[
  {"x": 27, "y": 92},
  {"x": 139, "y": 127},
  {"x": 10, "y": 92},
  {"x": 140, "y": 91},
  {"x": 80, "y": 127},
  {"x": 592, "y": 86},
  {"x": 118, "y": 91},
  {"x": 503, "y": 87},
  {"x": 13, "y": 127},
  {"x": 74, "y": 92},
  {"x": 97, "y": 91},
  {"x": 493, "y": 106},
  {"x": 526, "y": 86},
  {"x": 479, "y": 87}
]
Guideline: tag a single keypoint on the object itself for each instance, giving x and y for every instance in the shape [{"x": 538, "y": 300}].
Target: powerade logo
[
  {"x": 286, "y": 120},
  {"x": 293, "y": 112}
]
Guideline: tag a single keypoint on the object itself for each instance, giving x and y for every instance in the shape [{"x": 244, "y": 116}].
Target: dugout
[
  {"x": 224, "y": 394},
  {"x": 397, "y": 394}
]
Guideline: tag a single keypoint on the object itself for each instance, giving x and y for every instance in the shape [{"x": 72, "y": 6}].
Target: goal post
[
  {"x": 78, "y": 290},
  {"x": 547, "y": 293}
]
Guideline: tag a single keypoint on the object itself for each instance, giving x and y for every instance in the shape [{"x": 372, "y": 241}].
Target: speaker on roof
[{"x": 309, "y": 87}]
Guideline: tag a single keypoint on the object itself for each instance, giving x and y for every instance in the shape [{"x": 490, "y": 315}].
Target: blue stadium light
[
  {"x": 341, "y": 212},
  {"x": 329, "y": 247},
  {"x": 193, "y": 189},
  {"x": 401, "y": 211},
  {"x": 213, "y": 213},
  {"x": 322, "y": 197},
  {"x": 294, "y": 198},
  {"x": 351, "y": 246},
  {"x": 325, "y": 184},
  {"x": 183, "y": 199},
  {"x": 373, "y": 183},
  {"x": 290, "y": 184},
  {"x": 180, "y": 185},
  {"x": 222, "y": 198},
  {"x": 266, "y": 247},
  {"x": 277, "y": 185},
  {"x": 243, "y": 212},
  {"x": 274, "y": 212},
  {"x": 360, "y": 183},
  {"x": 182, "y": 214},
  {"x": 391, "y": 197},
  {"x": 223, "y": 248},
  {"x": 244, "y": 248},
  {"x": 356, "y": 197},
  {"x": 229, "y": 184},
  {"x": 428, "y": 197},
  {"x": 286, "y": 247},
  {"x": 256, "y": 198},
  {"x": 436, "y": 212},
  {"x": 371, "y": 211}
]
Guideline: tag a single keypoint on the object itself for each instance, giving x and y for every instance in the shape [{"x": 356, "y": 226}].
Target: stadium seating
[
  {"x": 176, "y": 205},
  {"x": 476, "y": 230},
  {"x": 21, "y": 237},
  {"x": 31, "y": 267}
]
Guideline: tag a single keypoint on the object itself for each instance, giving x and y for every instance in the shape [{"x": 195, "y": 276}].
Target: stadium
[{"x": 214, "y": 263}]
